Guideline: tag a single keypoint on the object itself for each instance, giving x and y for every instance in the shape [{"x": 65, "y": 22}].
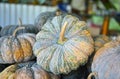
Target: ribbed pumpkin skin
[
  {"x": 62, "y": 58},
  {"x": 8, "y": 30},
  {"x": 28, "y": 70},
  {"x": 106, "y": 62},
  {"x": 16, "y": 48}
]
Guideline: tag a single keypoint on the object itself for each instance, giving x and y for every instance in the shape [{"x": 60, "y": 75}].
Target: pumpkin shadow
[{"x": 80, "y": 73}]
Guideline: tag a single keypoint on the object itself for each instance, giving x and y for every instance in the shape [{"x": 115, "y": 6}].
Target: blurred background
[{"x": 101, "y": 16}]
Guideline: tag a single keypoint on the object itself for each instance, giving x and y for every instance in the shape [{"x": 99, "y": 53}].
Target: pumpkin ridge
[
  {"x": 7, "y": 58},
  {"x": 38, "y": 50},
  {"x": 26, "y": 46},
  {"x": 17, "y": 50},
  {"x": 49, "y": 55}
]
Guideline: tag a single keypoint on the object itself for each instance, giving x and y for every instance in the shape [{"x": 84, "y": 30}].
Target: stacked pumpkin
[
  {"x": 106, "y": 62},
  {"x": 29, "y": 70},
  {"x": 16, "y": 45},
  {"x": 62, "y": 45}
]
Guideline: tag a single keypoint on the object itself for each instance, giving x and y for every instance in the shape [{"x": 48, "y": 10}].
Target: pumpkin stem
[
  {"x": 17, "y": 29},
  {"x": 61, "y": 37},
  {"x": 93, "y": 74},
  {"x": 20, "y": 22}
]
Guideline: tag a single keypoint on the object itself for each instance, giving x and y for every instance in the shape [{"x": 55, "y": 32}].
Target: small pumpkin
[
  {"x": 63, "y": 44},
  {"x": 16, "y": 48},
  {"x": 8, "y": 30},
  {"x": 28, "y": 70},
  {"x": 106, "y": 62}
]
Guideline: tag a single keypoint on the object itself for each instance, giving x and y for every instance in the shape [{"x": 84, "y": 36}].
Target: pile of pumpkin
[{"x": 58, "y": 46}]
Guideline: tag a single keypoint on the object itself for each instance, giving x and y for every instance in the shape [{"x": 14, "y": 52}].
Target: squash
[
  {"x": 28, "y": 70},
  {"x": 106, "y": 62},
  {"x": 63, "y": 44},
  {"x": 16, "y": 48},
  {"x": 8, "y": 30}
]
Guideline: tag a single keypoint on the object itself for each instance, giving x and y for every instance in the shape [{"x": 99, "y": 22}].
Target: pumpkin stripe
[
  {"x": 26, "y": 46},
  {"x": 39, "y": 46},
  {"x": 49, "y": 27},
  {"x": 47, "y": 57},
  {"x": 57, "y": 22},
  {"x": 7, "y": 48},
  {"x": 76, "y": 54},
  {"x": 29, "y": 37},
  {"x": 45, "y": 35},
  {"x": 17, "y": 50},
  {"x": 53, "y": 64}
]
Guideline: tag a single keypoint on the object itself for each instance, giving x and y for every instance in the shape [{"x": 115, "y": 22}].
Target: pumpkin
[
  {"x": 8, "y": 30},
  {"x": 63, "y": 44},
  {"x": 16, "y": 48},
  {"x": 28, "y": 70},
  {"x": 106, "y": 62},
  {"x": 100, "y": 41}
]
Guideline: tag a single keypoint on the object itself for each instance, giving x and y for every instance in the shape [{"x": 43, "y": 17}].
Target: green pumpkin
[
  {"x": 106, "y": 62},
  {"x": 63, "y": 44},
  {"x": 16, "y": 48},
  {"x": 28, "y": 70},
  {"x": 8, "y": 30}
]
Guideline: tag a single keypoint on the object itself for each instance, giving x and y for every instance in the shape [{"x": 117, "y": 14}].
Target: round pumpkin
[
  {"x": 8, "y": 30},
  {"x": 63, "y": 44},
  {"x": 28, "y": 70},
  {"x": 16, "y": 48},
  {"x": 106, "y": 62}
]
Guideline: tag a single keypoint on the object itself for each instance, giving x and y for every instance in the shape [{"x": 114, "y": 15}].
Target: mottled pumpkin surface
[
  {"x": 62, "y": 57},
  {"x": 16, "y": 48},
  {"x": 27, "y": 70},
  {"x": 106, "y": 62}
]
